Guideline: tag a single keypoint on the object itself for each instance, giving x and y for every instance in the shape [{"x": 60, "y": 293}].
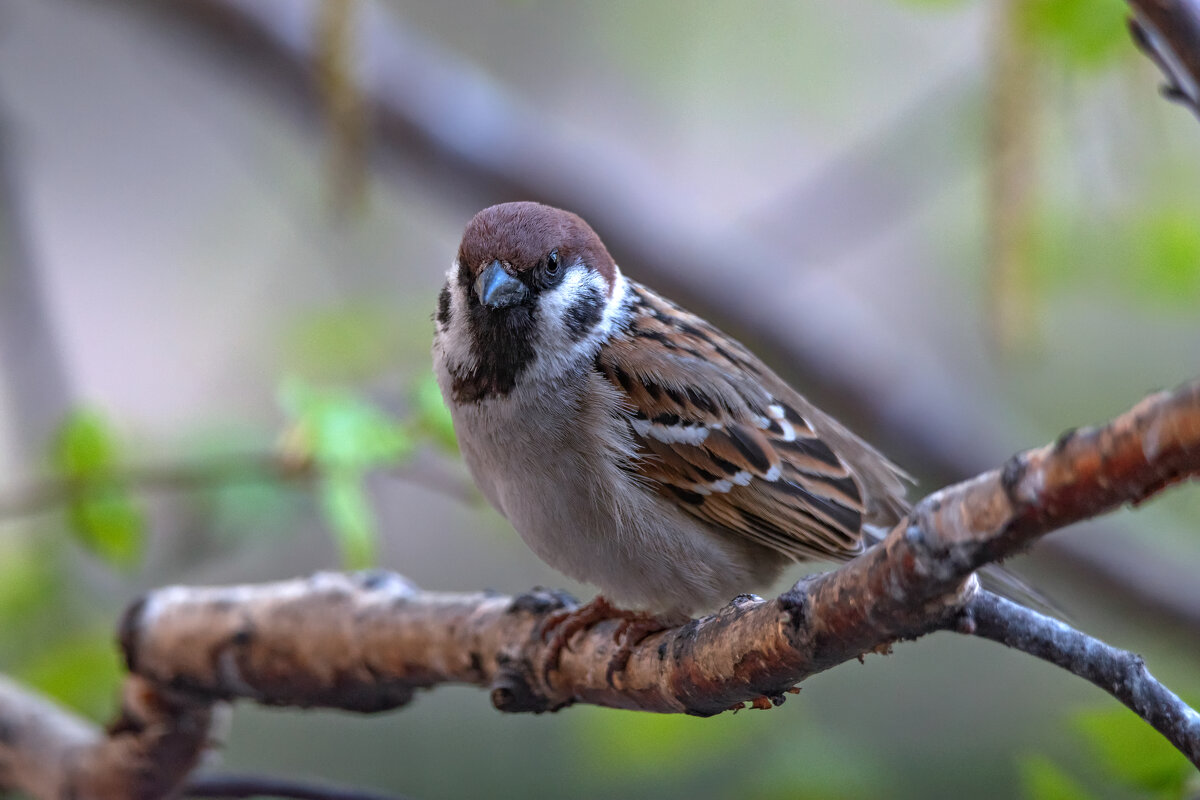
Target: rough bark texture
[
  {"x": 366, "y": 642},
  {"x": 47, "y": 752},
  {"x": 1087, "y": 472}
]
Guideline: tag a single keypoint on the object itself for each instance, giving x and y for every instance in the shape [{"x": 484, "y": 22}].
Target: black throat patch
[{"x": 503, "y": 341}]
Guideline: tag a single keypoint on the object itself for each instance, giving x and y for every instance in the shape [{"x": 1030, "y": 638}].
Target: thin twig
[
  {"x": 241, "y": 786},
  {"x": 52, "y": 493},
  {"x": 1118, "y": 672},
  {"x": 1168, "y": 31}
]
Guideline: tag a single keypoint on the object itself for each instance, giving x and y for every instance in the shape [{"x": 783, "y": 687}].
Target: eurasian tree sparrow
[{"x": 631, "y": 444}]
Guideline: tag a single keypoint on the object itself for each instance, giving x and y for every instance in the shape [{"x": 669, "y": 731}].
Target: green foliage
[
  {"x": 100, "y": 508},
  {"x": 1133, "y": 752},
  {"x": 430, "y": 415},
  {"x": 344, "y": 437},
  {"x": 1080, "y": 33},
  {"x": 1125, "y": 753},
  {"x": 28, "y": 581},
  {"x": 81, "y": 671},
  {"x": 339, "y": 430},
  {"x": 679, "y": 751},
  {"x": 643, "y": 744},
  {"x": 348, "y": 511},
  {"x": 85, "y": 447},
  {"x": 1084, "y": 34},
  {"x": 1042, "y": 779},
  {"x": 106, "y": 520},
  {"x": 344, "y": 343},
  {"x": 1152, "y": 257},
  {"x": 1167, "y": 256}
]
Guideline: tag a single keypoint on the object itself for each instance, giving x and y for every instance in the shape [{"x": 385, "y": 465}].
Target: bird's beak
[{"x": 497, "y": 289}]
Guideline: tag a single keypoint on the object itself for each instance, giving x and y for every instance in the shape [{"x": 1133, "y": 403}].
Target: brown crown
[{"x": 521, "y": 235}]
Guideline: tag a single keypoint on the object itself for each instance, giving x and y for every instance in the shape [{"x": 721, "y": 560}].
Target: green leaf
[
  {"x": 101, "y": 510},
  {"x": 1131, "y": 749},
  {"x": 1042, "y": 779},
  {"x": 1082, "y": 33},
  {"x": 81, "y": 671},
  {"x": 28, "y": 581},
  {"x": 107, "y": 521},
  {"x": 345, "y": 437},
  {"x": 344, "y": 501},
  {"x": 1167, "y": 262},
  {"x": 85, "y": 446},
  {"x": 341, "y": 430},
  {"x": 430, "y": 415}
]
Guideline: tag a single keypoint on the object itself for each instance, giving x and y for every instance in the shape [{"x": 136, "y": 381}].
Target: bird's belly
[{"x": 591, "y": 522}]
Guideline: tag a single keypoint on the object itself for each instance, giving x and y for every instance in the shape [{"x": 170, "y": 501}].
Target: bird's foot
[
  {"x": 633, "y": 629},
  {"x": 559, "y": 627}
]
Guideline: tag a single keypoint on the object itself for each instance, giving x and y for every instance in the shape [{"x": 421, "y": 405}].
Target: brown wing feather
[{"x": 746, "y": 453}]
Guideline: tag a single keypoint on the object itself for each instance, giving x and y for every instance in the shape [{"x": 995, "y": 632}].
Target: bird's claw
[{"x": 558, "y": 629}]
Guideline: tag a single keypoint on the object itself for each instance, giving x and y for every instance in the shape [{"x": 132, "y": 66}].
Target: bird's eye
[{"x": 552, "y": 269}]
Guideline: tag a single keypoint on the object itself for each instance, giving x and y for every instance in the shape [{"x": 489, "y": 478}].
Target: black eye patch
[{"x": 584, "y": 312}]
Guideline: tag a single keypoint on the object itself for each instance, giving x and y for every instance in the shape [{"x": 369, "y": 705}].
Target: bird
[{"x": 633, "y": 445}]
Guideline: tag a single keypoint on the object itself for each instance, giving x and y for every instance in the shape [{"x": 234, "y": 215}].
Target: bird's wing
[{"x": 728, "y": 441}]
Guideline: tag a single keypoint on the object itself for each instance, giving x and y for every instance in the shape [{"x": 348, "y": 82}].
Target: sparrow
[{"x": 633, "y": 445}]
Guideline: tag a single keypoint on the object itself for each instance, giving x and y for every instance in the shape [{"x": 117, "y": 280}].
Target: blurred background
[{"x": 962, "y": 227}]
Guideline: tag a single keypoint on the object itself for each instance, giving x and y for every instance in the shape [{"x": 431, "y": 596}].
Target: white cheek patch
[
  {"x": 554, "y": 304},
  {"x": 455, "y": 339},
  {"x": 568, "y": 330},
  {"x": 615, "y": 309},
  {"x": 577, "y": 285}
]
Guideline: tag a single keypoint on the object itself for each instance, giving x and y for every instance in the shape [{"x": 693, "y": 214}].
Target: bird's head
[{"x": 531, "y": 282}]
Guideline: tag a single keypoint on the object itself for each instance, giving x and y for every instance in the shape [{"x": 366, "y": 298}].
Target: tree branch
[
  {"x": 1168, "y": 31},
  {"x": 52, "y": 493},
  {"x": 367, "y": 642},
  {"x": 1118, "y": 672},
  {"x": 215, "y": 786},
  {"x": 47, "y": 752}
]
